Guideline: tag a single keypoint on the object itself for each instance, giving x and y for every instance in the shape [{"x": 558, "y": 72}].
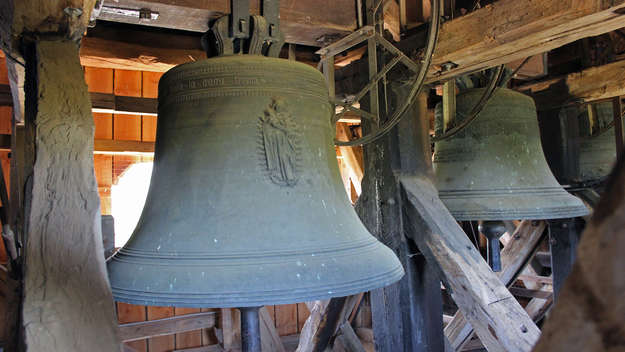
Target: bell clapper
[
  {"x": 493, "y": 231},
  {"x": 250, "y": 329}
]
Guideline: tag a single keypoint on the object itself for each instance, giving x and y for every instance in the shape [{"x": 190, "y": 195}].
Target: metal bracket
[
  {"x": 239, "y": 33},
  {"x": 240, "y": 18}
]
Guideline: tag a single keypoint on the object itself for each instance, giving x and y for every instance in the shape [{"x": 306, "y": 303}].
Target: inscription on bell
[{"x": 279, "y": 144}]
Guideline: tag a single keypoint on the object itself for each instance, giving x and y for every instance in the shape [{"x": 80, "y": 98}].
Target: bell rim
[{"x": 253, "y": 298}]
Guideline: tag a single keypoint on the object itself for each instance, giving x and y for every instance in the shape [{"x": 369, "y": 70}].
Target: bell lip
[
  {"x": 252, "y": 300},
  {"x": 492, "y": 210}
]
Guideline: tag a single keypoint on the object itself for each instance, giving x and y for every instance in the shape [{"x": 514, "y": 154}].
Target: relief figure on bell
[{"x": 280, "y": 143}]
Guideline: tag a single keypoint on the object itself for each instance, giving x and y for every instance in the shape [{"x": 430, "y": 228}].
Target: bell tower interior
[{"x": 297, "y": 175}]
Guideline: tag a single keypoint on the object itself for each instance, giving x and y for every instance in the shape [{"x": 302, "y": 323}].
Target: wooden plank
[
  {"x": 127, "y": 127},
  {"x": 302, "y": 22},
  {"x": 178, "y": 324},
  {"x": 269, "y": 337},
  {"x": 6, "y": 118},
  {"x": 103, "y": 166},
  {"x": 161, "y": 343},
  {"x": 302, "y": 315},
  {"x": 514, "y": 257},
  {"x": 99, "y": 80},
  {"x": 286, "y": 319},
  {"x": 325, "y": 319},
  {"x": 149, "y": 90},
  {"x": 498, "y": 319},
  {"x": 131, "y": 313},
  {"x": 509, "y": 30},
  {"x": 594, "y": 83},
  {"x": 230, "y": 319},
  {"x": 189, "y": 338},
  {"x": 106, "y": 146}
]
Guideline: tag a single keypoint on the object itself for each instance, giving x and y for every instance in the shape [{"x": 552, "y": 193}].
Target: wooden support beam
[
  {"x": 420, "y": 289},
  {"x": 509, "y": 30},
  {"x": 498, "y": 319},
  {"x": 325, "y": 320},
  {"x": 302, "y": 22},
  {"x": 514, "y": 257},
  {"x": 65, "y": 278},
  {"x": 594, "y": 83},
  {"x": 166, "y": 326},
  {"x": 589, "y": 314},
  {"x": 269, "y": 338}
]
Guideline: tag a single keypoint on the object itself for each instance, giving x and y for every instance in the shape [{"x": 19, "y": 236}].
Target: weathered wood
[
  {"x": 68, "y": 304},
  {"x": 326, "y": 317},
  {"x": 16, "y": 75},
  {"x": 60, "y": 18},
  {"x": 590, "y": 315},
  {"x": 269, "y": 337},
  {"x": 166, "y": 326},
  {"x": 302, "y": 22},
  {"x": 594, "y": 83},
  {"x": 379, "y": 211},
  {"x": 230, "y": 322},
  {"x": 349, "y": 339},
  {"x": 421, "y": 301},
  {"x": 498, "y": 319},
  {"x": 509, "y": 30},
  {"x": 161, "y": 343},
  {"x": 514, "y": 257}
]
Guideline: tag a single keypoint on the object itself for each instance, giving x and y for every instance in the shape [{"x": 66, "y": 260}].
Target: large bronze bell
[
  {"x": 494, "y": 169},
  {"x": 246, "y": 205},
  {"x": 597, "y": 147}
]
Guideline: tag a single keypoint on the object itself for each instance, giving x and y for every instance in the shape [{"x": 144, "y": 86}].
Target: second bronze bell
[{"x": 495, "y": 168}]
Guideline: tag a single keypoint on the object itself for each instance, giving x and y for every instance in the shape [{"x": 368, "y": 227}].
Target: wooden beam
[
  {"x": 269, "y": 338},
  {"x": 65, "y": 275},
  {"x": 325, "y": 320},
  {"x": 302, "y": 22},
  {"x": 594, "y": 83},
  {"x": 514, "y": 257},
  {"x": 117, "y": 104},
  {"x": 166, "y": 326},
  {"x": 509, "y": 30},
  {"x": 420, "y": 289},
  {"x": 498, "y": 319}
]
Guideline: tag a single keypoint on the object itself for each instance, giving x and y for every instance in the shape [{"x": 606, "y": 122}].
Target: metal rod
[{"x": 250, "y": 329}]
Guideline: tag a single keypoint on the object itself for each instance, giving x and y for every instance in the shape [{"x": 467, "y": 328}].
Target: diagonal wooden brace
[{"x": 498, "y": 319}]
